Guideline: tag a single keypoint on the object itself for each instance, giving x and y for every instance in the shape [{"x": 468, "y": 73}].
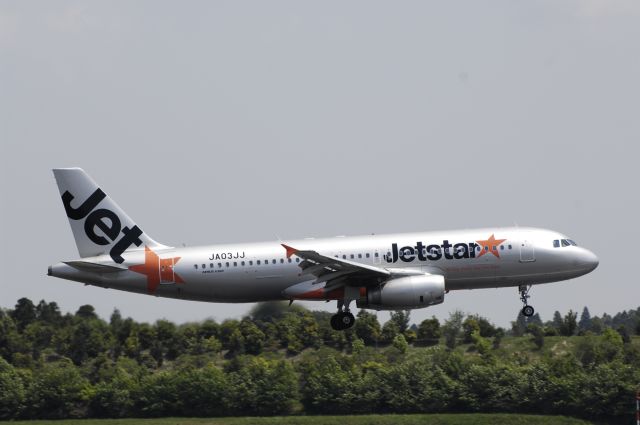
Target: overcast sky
[{"x": 213, "y": 122}]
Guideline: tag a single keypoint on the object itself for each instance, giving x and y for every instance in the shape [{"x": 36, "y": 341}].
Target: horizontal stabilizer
[{"x": 87, "y": 266}]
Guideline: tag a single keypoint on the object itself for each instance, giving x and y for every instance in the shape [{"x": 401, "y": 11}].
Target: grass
[{"x": 435, "y": 419}]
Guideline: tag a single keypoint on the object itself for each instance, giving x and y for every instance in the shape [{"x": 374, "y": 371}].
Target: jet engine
[{"x": 405, "y": 293}]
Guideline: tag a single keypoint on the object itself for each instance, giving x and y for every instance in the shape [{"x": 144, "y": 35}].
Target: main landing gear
[
  {"x": 343, "y": 319},
  {"x": 527, "y": 310}
]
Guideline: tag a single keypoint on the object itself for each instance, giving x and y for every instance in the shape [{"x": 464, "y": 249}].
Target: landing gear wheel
[
  {"x": 335, "y": 325},
  {"x": 342, "y": 320},
  {"x": 527, "y": 310},
  {"x": 347, "y": 320}
]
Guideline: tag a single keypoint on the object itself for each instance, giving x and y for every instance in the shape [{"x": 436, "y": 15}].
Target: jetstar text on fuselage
[{"x": 446, "y": 250}]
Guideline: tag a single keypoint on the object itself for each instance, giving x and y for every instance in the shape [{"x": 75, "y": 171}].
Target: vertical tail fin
[{"x": 99, "y": 225}]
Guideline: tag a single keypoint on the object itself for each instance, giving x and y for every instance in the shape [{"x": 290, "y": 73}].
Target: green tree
[
  {"x": 59, "y": 391},
  {"x": 400, "y": 344},
  {"x": 417, "y": 384},
  {"x": 12, "y": 392},
  {"x": 497, "y": 338},
  {"x": 401, "y": 319},
  {"x": 202, "y": 391},
  {"x": 252, "y": 336},
  {"x": 86, "y": 312},
  {"x": 452, "y": 328},
  {"x": 487, "y": 329},
  {"x": 158, "y": 395},
  {"x": 429, "y": 331},
  {"x": 258, "y": 386},
  {"x": 48, "y": 312},
  {"x": 538, "y": 335},
  {"x": 569, "y": 324},
  {"x": 89, "y": 338},
  {"x": 494, "y": 388},
  {"x": 229, "y": 333},
  {"x": 114, "y": 398},
  {"x": 482, "y": 345},
  {"x": 389, "y": 331},
  {"x": 367, "y": 327},
  {"x": 23, "y": 313},
  {"x": 331, "y": 385},
  {"x": 519, "y": 327},
  {"x": 585, "y": 320},
  {"x": 469, "y": 327},
  {"x": 557, "y": 320}
]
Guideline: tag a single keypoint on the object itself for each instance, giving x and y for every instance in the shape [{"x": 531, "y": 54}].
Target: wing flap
[{"x": 337, "y": 272}]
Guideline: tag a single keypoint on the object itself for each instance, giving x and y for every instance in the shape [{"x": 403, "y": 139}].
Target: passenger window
[
  {"x": 556, "y": 243},
  {"x": 509, "y": 246},
  {"x": 251, "y": 262},
  {"x": 227, "y": 264},
  {"x": 289, "y": 260},
  {"x": 367, "y": 255},
  {"x": 344, "y": 257},
  {"x": 211, "y": 265},
  {"x": 235, "y": 264},
  {"x": 273, "y": 261},
  {"x": 281, "y": 260},
  {"x": 195, "y": 266},
  {"x": 258, "y": 262},
  {"x": 266, "y": 262},
  {"x": 297, "y": 260},
  {"x": 352, "y": 256},
  {"x": 502, "y": 247},
  {"x": 359, "y": 255},
  {"x": 204, "y": 266},
  {"x": 242, "y": 263},
  {"x": 376, "y": 255},
  {"x": 220, "y": 265}
]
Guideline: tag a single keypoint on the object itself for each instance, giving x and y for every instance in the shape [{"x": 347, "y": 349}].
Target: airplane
[{"x": 381, "y": 272}]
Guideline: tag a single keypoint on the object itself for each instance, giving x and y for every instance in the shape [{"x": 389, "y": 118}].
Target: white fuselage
[{"x": 250, "y": 272}]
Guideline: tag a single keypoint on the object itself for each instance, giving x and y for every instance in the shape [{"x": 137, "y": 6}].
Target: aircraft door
[
  {"x": 527, "y": 251},
  {"x": 167, "y": 274}
]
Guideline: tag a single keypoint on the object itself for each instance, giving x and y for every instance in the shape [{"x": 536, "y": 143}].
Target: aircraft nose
[{"x": 589, "y": 260}]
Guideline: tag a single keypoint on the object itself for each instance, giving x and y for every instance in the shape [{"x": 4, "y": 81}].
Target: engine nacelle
[{"x": 405, "y": 293}]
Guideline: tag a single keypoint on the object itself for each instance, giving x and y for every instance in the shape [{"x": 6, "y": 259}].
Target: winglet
[{"x": 290, "y": 251}]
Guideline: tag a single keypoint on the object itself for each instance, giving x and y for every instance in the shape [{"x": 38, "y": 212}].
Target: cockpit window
[{"x": 564, "y": 242}]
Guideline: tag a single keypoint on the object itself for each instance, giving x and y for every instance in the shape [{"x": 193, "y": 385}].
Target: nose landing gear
[
  {"x": 343, "y": 319},
  {"x": 527, "y": 310}
]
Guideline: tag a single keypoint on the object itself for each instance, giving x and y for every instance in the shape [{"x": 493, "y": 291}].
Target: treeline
[{"x": 286, "y": 360}]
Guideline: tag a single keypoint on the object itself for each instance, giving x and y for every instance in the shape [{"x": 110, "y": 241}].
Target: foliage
[
  {"x": 429, "y": 331},
  {"x": 282, "y": 361},
  {"x": 452, "y": 328}
]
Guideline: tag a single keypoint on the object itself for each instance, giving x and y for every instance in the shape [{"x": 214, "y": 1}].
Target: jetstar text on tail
[
  {"x": 96, "y": 218},
  {"x": 446, "y": 250}
]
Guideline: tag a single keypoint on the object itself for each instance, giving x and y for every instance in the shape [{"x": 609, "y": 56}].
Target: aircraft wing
[{"x": 337, "y": 272}]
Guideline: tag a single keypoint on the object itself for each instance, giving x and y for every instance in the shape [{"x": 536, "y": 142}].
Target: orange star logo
[
  {"x": 158, "y": 270},
  {"x": 490, "y": 245}
]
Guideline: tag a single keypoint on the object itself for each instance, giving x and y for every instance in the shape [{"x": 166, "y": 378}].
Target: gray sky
[{"x": 213, "y": 122}]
